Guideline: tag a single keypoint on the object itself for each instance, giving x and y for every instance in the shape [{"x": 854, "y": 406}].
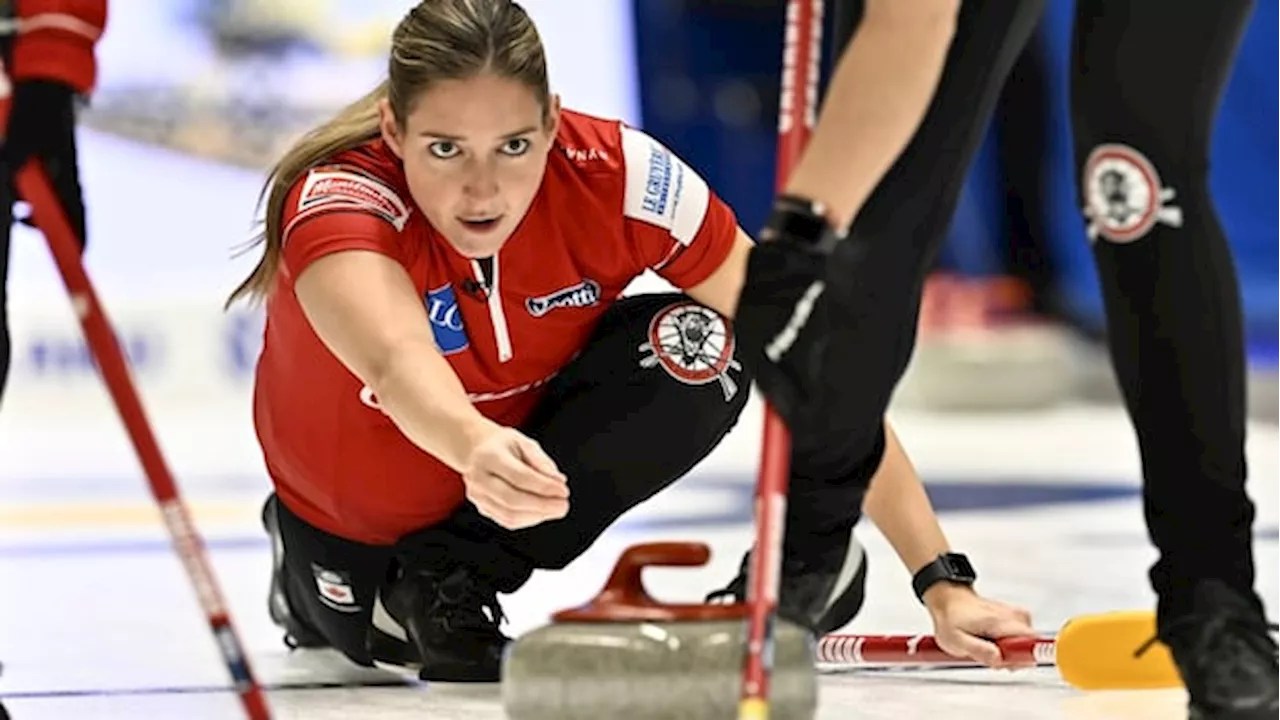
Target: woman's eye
[
  {"x": 443, "y": 149},
  {"x": 515, "y": 146}
]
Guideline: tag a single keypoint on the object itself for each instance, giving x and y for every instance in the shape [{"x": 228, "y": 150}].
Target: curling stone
[{"x": 626, "y": 655}]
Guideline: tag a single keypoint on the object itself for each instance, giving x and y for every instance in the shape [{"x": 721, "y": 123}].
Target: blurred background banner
[
  {"x": 198, "y": 97},
  {"x": 237, "y": 80}
]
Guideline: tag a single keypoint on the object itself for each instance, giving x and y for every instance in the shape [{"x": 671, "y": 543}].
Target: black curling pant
[
  {"x": 876, "y": 277},
  {"x": 1147, "y": 79}
]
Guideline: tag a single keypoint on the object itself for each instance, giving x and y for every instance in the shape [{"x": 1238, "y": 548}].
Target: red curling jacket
[
  {"x": 49, "y": 40},
  {"x": 55, "y": 39}
]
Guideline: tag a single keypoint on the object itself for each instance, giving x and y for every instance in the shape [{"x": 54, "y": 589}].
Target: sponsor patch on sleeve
[
  {"x": 446, "y": 320},
  {"x": 334, "y": 188},
  {"x": 661, "y": 189}
]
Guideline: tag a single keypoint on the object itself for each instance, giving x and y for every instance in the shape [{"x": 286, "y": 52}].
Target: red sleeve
[
  {"x": 336, "y": 208},
  {"x": 676, "y": 225},
  {"x": 55, "y": 41}
]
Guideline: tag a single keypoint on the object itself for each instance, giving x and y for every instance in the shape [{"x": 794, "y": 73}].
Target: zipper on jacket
[{"x": 497, "y": 316}]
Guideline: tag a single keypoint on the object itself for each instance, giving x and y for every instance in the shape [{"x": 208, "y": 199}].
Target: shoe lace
[
  {"x": 1224, "y": 647},
  {"x": 468, "y": 604}
]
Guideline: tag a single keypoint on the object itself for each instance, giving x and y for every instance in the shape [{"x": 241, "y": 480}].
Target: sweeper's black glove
[{"x": 784, "y": 318}]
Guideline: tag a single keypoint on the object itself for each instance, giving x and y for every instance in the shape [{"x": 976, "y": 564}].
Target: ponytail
[{"x": 355, "y": 124}]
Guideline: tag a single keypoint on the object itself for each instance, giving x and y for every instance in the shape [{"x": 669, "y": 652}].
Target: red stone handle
[{"x": 624, "y": 598}]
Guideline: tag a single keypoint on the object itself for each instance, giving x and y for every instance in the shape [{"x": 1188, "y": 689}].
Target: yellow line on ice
[{"x": 118, "y": 514}]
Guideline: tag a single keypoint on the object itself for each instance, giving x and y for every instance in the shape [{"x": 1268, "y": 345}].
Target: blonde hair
[{"x": 437, "y": 40}]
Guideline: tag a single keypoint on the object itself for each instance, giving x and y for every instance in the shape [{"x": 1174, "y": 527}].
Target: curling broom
[
  {"x": 34, "y": 187},
  {"x": 799, "y": 100},
  {"x": 1090, "y": 652}
]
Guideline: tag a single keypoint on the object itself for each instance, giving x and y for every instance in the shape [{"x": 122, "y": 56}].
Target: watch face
[{"x": 958, "y": 567}]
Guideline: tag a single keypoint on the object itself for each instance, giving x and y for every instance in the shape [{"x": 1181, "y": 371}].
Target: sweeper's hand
[
  {"x": 513, "y": 482},
  {"x": 965, "y": 624}
]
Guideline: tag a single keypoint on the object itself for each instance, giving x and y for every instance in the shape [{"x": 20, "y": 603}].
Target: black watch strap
[
  {"x": 948, "y": 567},
  {"x": 801, "y": 220}
]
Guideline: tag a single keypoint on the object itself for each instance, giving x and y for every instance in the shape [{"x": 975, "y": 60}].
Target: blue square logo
[{"x": 446, "y": 320}]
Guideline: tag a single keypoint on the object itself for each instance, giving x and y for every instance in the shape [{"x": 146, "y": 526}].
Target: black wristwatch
[
  {"x": 803, "y": 220},
  {"x": 949, "y": 567}
]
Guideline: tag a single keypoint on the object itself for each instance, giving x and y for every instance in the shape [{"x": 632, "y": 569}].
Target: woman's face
[{"x": 474, "y": 153}]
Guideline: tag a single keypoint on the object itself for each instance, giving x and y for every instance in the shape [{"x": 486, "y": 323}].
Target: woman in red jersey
[{"x": 452, "y": 392}]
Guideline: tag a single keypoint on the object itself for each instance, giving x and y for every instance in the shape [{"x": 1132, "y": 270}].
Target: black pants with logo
[
  {"x": 654, "y": 392},
  {"x": 1147, "y": 76}
]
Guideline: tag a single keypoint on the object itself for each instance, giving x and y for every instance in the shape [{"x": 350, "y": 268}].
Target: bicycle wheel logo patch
[
  {"x": 1123, "y": 195},
  {"x": 693, "y": 345}
]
